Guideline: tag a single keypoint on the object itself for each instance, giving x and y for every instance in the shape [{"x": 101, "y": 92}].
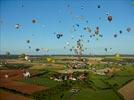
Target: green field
[
  {"x": 42, "y": 81},
  {"x": 95, "y": 87}
]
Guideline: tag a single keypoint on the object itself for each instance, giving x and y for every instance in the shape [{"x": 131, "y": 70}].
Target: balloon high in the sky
[
  {"x": 34, "y": 21},
  {"x": 28, "y": 41},
  {"x": 109, "y": 18},
  {"x": 37, "y": 49},
  {"x": 115, "y": 35},
  {"x": 59, "y": 35},
  {"x": 17, "y": 26},
  {"x": 128, "y": 29},
  {"x": 120, "y": 31},
  {"x": 99, "y": 6},
  {"x": 77, "y": 25},
  {"x": 106, "y": 49},
  {"x": 97, "y": 30}
]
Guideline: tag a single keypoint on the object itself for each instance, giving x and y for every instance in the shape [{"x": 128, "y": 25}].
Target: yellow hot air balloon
[
  {"x": 49, "y": 59},
  {"x": 53, "y": 61},
  {"x": 117, "y": 57}
]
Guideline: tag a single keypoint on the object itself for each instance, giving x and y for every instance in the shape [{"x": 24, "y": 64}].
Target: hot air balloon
[
  {"x": 59, "y": 35},
  {"x": 120, "y": 31},
  {"x": 100, "y": 35},
  {"x": 82, "y": 7},
  {"x": 70, "y": 50},
  {"x": 28, "y": 41},
  {"x": 72, "y": 37},
  {"x": 99, "y": 6},
  {"x": 77, "y": 25},
  {"x": 17, "y": 26},
  {"x": 106, "y": 49},
  {"x": 115, "y": 35},
  {"x": 33, "y": 21},
  {"x": 37, "y": 49},
  {"x": 110, "y": 18},
  {"x": 67, "y": 43},
  {"x": 97, "y": 28},
  {"x": 84, "y": 28},
  {"x": 49, "y": 59},
  {"x": 128, "y": 29}
]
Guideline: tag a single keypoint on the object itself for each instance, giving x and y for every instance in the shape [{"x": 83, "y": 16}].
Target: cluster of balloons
[
  {"x": 106, "y": 49},
  {"x": 128, "y": 29},
  {"x": 93, "y": 33}
]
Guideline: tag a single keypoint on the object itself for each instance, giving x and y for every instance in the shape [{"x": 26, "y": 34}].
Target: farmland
[{"x": 41, "y": 84}]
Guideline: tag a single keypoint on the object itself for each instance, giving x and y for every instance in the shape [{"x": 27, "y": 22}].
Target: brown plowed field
[
  {"x": 9, "y": 96},
  {"x": 21, "y": 87},
  {"x": 128, "y": 91}
]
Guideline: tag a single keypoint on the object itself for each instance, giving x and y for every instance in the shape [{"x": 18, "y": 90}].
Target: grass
[
  {"x": 103, "y": 85},
  {"x": 121, "y": 78},
  {"x": 42, "y": 81},
  {"x": 88, "y": 94},
  {"x": 97, "y": 81},
  {"x": 100, "y": 66},
  {"x": 119, "y": 81},
  {"x": 100, "y": 84},
  {"x": 129, "y": 71}
]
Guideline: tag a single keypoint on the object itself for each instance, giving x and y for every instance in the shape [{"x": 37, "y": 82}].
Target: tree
[
  {"x": 8, "y": 53},
  {"x": 23, "y": 55}
]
